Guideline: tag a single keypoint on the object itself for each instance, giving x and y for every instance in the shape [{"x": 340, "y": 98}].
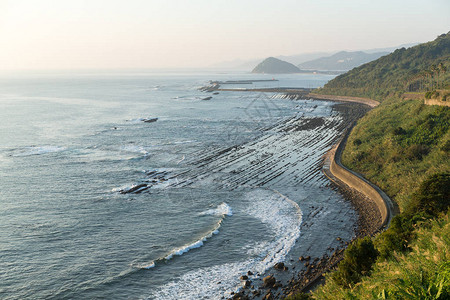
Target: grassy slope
[
  {"x": 398, "y": 162},
  {"x": 383, "y": 156},
  {"x": 397, "y": 145}
]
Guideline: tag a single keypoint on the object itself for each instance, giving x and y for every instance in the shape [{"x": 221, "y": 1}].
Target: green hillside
[
  {"x": 403, "y": 146},
  {"x": 417, "y": 69},
  {"x": 341, "y": 61}
]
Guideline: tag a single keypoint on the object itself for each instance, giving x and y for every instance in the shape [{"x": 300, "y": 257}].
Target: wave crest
[{"x": 223, "y": 210}]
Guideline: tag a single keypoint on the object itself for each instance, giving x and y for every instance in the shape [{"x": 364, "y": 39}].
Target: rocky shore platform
[
  {"x": 289, "y": 154},
  {"x": 373, "y": 207}
]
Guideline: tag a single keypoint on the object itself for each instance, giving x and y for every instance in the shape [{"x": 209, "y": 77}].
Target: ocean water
[{"x": 97, "y": 203}]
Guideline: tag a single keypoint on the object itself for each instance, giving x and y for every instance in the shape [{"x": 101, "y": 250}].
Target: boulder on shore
[
  {"x": 280, "y": 266},
  {"x": 269, "y": 281}
]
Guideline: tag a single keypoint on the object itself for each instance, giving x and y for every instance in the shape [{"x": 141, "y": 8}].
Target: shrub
[
  {"x": 358, "y": 260},
  {"x": 417, "y": 152},
  {"x": 357, "y": 142},
  {"x": 398, "y": 235},
  {"x": 446, "y": 146},
  {"x": 361, "y": 156},
  {"x": 399, "y": 131},
  {"x": 299, "y": 296},
  {"x": 433, "y": 196}
]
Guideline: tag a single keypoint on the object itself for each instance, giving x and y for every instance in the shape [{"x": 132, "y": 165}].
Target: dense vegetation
[
  {"x": 341, "y": 61},
  {"x": 410, "y": 260},
  {"x": 403, "y": 147},
  {"x": 420, "y": 68}
]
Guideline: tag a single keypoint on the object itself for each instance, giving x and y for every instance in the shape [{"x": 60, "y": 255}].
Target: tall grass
[
  {"x": 422, "y": 273},
  {"x": 399, "y": 144}
]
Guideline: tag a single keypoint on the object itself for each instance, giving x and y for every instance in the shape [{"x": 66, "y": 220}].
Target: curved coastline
[
  {"x": 339, "y": 174},
  {"x": 370, "y": 102},
  {"x": 334, "y": 169},
  {"x": 374, "y": 207}
]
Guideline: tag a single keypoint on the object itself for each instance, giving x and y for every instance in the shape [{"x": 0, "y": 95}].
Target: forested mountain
[
  {"x": 341, "y": 61},
  {"x": 420, "y": 68}
]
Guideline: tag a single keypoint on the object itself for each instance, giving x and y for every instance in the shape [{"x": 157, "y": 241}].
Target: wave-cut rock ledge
[{"x": 375, "y": 211}]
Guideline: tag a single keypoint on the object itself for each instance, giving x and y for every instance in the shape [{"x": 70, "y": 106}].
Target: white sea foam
[
  {"x": 196, "y": 244},
  {"x": 282, "y": 217},
  {"x": 149, "y": 266},
  {"x": 222, "y": 209},
  {"x": 134, "y": 149},
  {"x": 37, "y": 150}
]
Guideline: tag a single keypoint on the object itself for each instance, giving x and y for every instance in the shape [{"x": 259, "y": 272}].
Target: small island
[{"x": 274, "y": 65}]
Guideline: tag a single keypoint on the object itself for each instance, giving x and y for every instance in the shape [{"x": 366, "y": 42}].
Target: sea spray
[
  {"x": 222, "y": 210},
  {"x": 282, "y": 217}
]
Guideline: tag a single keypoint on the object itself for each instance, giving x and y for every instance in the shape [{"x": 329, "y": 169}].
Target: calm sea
[{"x": 97, "y": 203}]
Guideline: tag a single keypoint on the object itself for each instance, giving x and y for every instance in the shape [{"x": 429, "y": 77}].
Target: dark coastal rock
[
  {"x": 249, "y": 273},
  {"x": 277, "y": 285},
  {"x": 269, "y": 281},
  {"x": 135, "y": 189},
  {"x": 268, "y": 296},
  {"x": 247, "y": 284},
  {"x": 279, "y": 266},
  {"x": 151, "y": 120},
  {"x": 240, "y": 296},
  {"x": 308, "y": 258},
  {"x": 243, "y": 277},
  {"x": 301, "y": 258}
]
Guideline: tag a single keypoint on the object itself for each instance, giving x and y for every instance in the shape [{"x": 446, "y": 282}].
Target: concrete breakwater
[
  {"x": 334, "y": 169},
  {"x": 370, "y": 102}
]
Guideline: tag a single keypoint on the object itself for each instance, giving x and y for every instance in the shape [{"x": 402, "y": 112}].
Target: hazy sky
[{"x": 66, "y": 34}]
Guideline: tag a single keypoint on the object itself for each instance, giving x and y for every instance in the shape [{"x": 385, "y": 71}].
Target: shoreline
[{"x": 372, "y": 205}]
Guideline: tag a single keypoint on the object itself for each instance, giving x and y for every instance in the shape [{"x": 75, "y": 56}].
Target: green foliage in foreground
[
  {"x": 431, "y": 200},
  {"x": 394, "y": 73},
  {"x": 422, "y": 273},
  {"x": 433, "y": 196},
  {"x": 414, "y": 261},
  {"x": 358, "y": 260}
]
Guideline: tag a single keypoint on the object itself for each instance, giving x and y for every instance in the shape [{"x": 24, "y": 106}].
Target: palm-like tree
[
  {"x": 442, "y": 69},
  {"x": 433, "y": 70}
]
